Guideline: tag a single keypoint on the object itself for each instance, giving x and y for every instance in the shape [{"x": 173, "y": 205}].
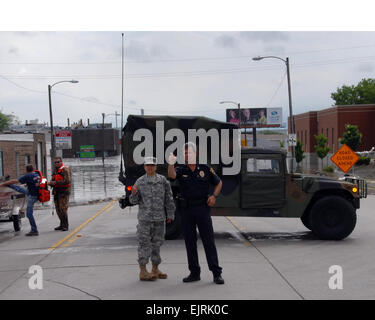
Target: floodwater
[{"x": 91, "y": 181}]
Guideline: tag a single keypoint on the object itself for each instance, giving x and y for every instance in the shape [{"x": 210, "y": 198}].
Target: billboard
[
  {"x": 256, "y": 117},
  {"x": 63, "y": 139}
]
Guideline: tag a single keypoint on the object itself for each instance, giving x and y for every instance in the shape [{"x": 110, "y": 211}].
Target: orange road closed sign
[{"x": 345, "y": 158}]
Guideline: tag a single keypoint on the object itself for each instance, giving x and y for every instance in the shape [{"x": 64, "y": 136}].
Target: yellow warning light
[{"x": 355, "y": 189}]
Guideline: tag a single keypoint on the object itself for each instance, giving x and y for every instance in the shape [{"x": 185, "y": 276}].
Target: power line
[
  {"x": 277, "y": 89},
  {"x": 191, "y": 73},
  {"x": 21, "y": 87},
  {"x": 184, "y": 59},
  {"x": 103, "y": 103},
  {"x": 63, "y": 94}
]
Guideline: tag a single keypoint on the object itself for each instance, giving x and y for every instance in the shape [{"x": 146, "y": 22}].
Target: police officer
[
  {"x": 153, "y": 193},
  {"x": 194, "y": 207}
]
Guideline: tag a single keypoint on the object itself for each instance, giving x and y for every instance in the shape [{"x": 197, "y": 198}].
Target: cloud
[
  {"x": 13, "y": 50},
  {"x": 366, "y": 67},
  {"x": 138, "y": 50},
  {"x": 264, "y": 36},
  {"x": 226, "y": 41},
  {"x": 90, "y": 99},
  {"x": 131, "y": 102},
  {"x": 26, "y": 33},
  {"x": 274, "y": 49}
]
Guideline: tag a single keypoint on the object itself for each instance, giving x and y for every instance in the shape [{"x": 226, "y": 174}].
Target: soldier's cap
[{"x": 151, "y": 160}]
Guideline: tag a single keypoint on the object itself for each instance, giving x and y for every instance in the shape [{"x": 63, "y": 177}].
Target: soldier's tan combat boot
[
  {"x": 158, "y": 273},
  {"x": 144, "y": 275}
]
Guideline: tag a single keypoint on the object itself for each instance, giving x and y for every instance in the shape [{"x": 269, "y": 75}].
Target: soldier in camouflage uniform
[
  {"x": 61, "y": 180},
  {"x": 153, "y": 193}
]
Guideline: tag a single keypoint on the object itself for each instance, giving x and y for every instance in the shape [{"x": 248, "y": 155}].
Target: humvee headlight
[{"x": 354, "y": 189}]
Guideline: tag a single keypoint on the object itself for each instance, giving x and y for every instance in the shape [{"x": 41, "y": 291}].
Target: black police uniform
[{"x": 194, "y": 188}]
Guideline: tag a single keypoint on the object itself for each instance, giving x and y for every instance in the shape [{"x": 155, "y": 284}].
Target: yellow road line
[
  {"x": 70, "y": 241},
  {"x": 107, "y": 207},
  {"x": 246, "y": 242}
]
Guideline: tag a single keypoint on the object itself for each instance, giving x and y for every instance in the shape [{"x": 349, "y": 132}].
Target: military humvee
[{"x": 262, "y": 188}]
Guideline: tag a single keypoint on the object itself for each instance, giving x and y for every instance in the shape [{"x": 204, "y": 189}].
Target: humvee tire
[
  {"x": 332, "y": 218},
  {"x": 173, "y": 230},
  {"x": 306, "y": 220}
]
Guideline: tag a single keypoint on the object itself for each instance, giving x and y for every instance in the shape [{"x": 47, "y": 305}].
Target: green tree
[
  {"x": 362, "y": 93},
  {"x": 321, "y": 147},
  {"x": 5, "y": 121},
  {"x": 352, "y": 137}
]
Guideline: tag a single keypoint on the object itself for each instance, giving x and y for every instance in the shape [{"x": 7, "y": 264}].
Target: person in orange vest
[{"x": 61, "y": 180}]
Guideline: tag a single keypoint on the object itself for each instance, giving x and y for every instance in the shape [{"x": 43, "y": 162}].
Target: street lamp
[
  {"x": 53, "y": 146},
  {"x": 292, "y": 129}
]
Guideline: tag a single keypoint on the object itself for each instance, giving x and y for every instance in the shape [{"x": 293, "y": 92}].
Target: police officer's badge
[{"x": 201, "y": 173}]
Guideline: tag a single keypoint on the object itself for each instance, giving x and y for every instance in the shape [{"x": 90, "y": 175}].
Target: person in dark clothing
[
  {"x": 32, "y": 181},
  {"x": 194, "y": 206}
]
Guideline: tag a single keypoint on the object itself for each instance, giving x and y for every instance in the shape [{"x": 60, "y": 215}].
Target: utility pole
[
  {"x": 290, "y": 113},
  {"x": 53, "y": 145},
  {"x": 53, "y": 152},
  {"x": 286, "y": 61},
  {"x": 103, "y": 114}
]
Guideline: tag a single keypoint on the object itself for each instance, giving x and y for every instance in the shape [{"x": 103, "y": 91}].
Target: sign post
[{"x": 345, "y": 158}]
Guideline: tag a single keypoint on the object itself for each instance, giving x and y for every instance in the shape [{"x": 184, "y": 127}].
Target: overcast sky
[{"x": 176, "y": 73}]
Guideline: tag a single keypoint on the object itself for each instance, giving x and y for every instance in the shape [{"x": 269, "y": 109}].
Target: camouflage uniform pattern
[
  {"x": 61, "y": 197},
  {"x": 150, "y": 236},
  {"x": 155, "y": 200}
]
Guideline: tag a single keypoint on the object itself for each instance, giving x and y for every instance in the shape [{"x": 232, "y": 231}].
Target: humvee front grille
[{"x": 361, "y": 184}]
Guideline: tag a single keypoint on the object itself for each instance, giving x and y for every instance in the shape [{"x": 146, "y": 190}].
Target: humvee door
[{"x": 262, "y": 181}]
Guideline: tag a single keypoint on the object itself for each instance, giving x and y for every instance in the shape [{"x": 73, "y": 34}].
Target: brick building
[
  {"x": 18, "y": 150},
  {"x": 331, "y": 122}
]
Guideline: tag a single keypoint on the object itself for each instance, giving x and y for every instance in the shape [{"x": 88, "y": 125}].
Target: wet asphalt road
[{"x": 262, "y": 258}]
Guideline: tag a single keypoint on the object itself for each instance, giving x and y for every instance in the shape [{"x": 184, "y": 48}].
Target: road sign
[
  {"x": 345, "y": 158},
  {"x": 63, "y": 139},
  {"x": 292, "y": 139}
]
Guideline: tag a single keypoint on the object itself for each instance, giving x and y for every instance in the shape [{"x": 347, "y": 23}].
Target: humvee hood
[{"x": 313, "y": 183}]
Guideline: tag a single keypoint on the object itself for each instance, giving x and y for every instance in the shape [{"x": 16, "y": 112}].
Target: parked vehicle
[{"x": 12, "y": 206}]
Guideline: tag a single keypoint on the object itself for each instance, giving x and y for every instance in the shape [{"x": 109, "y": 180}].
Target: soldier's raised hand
[
  {"x": 134, "y": 190},
  {"x": 172, "y": 159}
]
